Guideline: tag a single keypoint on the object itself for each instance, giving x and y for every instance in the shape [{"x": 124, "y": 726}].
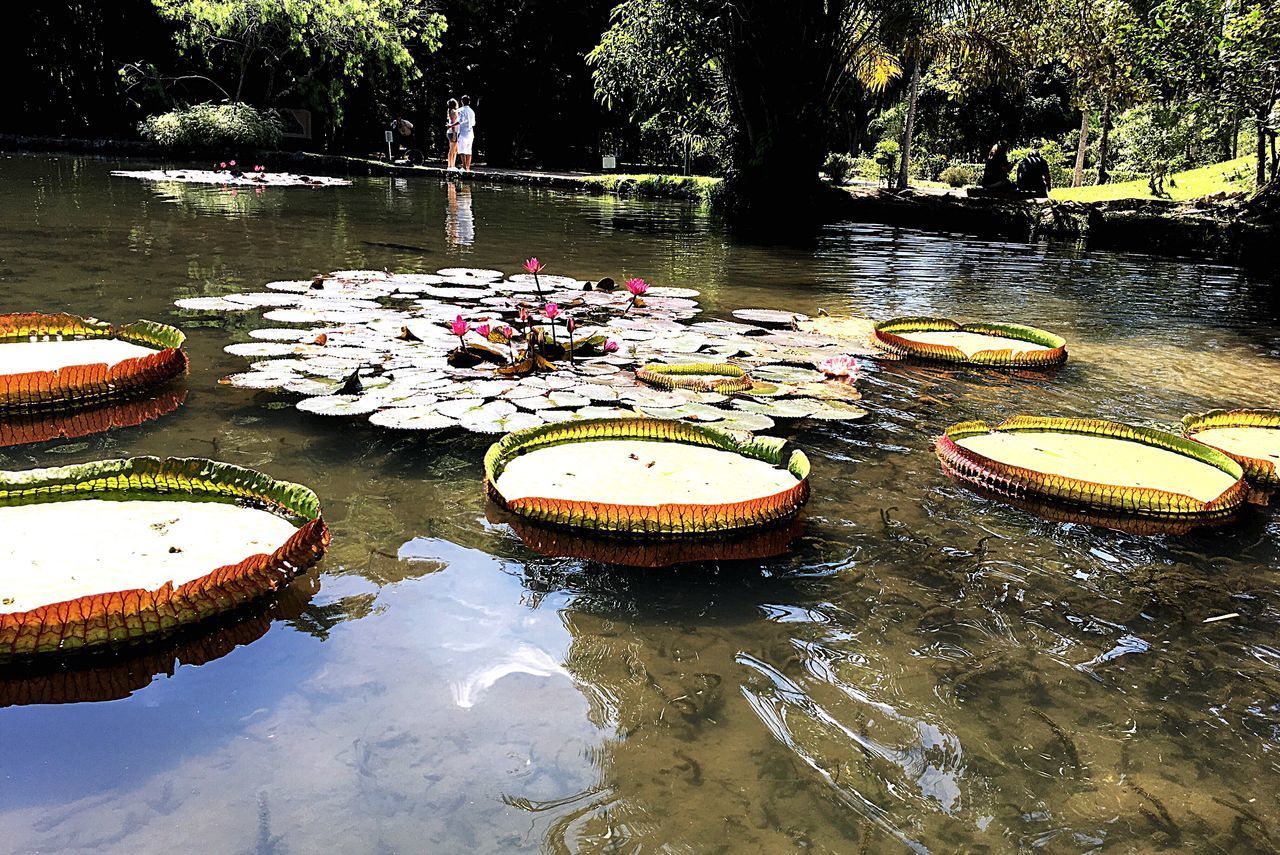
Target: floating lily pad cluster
[
  {"x": 489, "y": 353},
  {"x": 232, "y": 177}
]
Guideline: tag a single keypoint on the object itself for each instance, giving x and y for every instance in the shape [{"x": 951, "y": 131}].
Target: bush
[
  {"x": 839, "y": 167},
  {"x": 956, "y": 176},
  {"x": 213, "y": 126}
]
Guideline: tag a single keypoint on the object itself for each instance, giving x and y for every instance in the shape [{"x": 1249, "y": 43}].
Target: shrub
[
  {"x": 839, "y": 167},
  {"x": 886, "y": 154},
  {"x": 956, "y": 176},
  {"x": 213, "y": 126}
]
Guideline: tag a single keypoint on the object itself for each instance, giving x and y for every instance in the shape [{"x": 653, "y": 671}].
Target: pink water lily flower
[
  {"x": 637, "y": 287},
  {"x": 222, "y": 165},
  {"x": 524, "y": 315},
  {"x": 839, "y": 366},
  {"x": 534, "y": 266},
  {"x": 571, "y": 324},
  {"x": 483, "y": 330},
  {"x": 231, "y": 162},
  {"x": 552, "y": 310},
  {"x": 459, "y": 328},
  {"x": 610, "y": 346},
  {"x": 507, "y": 332}
]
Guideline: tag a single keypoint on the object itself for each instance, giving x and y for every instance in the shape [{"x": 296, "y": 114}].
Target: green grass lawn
[{"x": 1230, "y": 175}]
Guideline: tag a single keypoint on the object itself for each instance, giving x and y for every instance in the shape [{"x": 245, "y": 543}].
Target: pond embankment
[
  {"x": 1229, "y": 229},
  {"x": 1226, "y": 229}
]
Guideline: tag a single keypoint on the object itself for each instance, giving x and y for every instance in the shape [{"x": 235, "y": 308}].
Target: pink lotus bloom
[
  {"x": 524, "y": 315},
  {"x": 232, "y": 162},
  {"x": 459, "y": 327},
  {"x": 507, "y": 332},
  {"x": 483, "y": 330},
  {"x": 839, "y": 366},
  {"x": 533, "y": 265},
  {"x": 552, "y": 311},
  {"x": 637, "y": 287},
  {"x": 222, "y": 165},
  {"x": 610, "y": 346}
]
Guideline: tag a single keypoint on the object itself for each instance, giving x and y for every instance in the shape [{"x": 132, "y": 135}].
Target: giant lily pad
[
  {"x": 1249, "y": 437},
  {"x": 706, "y": 377},
  {"x": 645, "y": 477},
  {"x": 159, "y": 544},
  {"x": 56, "y": 362},
  {"x": 1095, "y": 464},
  {"x": 945, "y": 340}
]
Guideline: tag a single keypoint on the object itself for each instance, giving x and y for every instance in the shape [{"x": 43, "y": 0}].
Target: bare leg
[
  {"x": 466, "y": 162},
  {"x": 453, "y": 153}
]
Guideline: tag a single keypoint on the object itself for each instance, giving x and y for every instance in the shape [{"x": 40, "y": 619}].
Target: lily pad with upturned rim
[
  {"x": 1096, "y": 464},
  {"x": 646, "y": 477},
  {"x": 994, "y": 344},
  {"x": 188, "y": 539},
  {"x": 1249, "y": 437}
]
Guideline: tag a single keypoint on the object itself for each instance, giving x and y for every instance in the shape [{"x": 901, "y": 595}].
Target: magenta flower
[
  {"x": 507, "y": 332},
  {"x": 610, "y": 346},
  {"x": 459, "y": 328},
  {"x": 534, "y": 266},
  {"x": 552, "y": 311},
  {"x": 232, "y": 162},
  {"x": 222, "y": 165},
  {"x": 483, "y": 330},
  {"x": 637, "y": 287}
]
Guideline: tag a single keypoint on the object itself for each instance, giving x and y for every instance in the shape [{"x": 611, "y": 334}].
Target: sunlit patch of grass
[
  {"x": 700, "y": 188},
  {"x": 1230, "y": 176}
]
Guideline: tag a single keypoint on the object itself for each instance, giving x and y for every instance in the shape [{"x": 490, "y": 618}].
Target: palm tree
[{"x": 962, "y": 34}]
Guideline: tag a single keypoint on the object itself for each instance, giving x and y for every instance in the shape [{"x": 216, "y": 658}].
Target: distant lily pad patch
[
  {"x": 233, "y": 178},
  {"x": 62, "y": 362},
  {"x": 945, "y": 340},
  {"x": 1096, "y": 465},
  {"x": 1250, "y": 437},
  {"x": 158, "y": 544},
  {"x": 646, "y": 477}
]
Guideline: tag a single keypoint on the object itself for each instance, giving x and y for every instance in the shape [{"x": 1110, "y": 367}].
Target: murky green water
[{"x": 929, "y": 670}]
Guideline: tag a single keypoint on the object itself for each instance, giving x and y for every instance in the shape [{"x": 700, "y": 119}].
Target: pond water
[{"x": 928, "y": 670}]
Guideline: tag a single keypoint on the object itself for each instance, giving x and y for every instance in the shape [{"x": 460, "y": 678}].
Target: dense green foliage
[
  {"x": 309, "y": 52},
  {"x": 213, "y": 127}
]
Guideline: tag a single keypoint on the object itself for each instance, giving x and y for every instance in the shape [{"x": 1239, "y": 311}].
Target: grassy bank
[
  {"x": 699, "y": 188},
  {"x": 1229, "y": 176}
]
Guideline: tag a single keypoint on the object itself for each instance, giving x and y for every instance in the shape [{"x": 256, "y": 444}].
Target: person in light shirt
[{"x": 466, "y": 132}]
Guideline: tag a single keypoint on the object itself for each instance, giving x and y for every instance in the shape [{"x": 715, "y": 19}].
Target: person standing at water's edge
[
  {"x": 451, "y": 132},
  {"x": 466, "y": 132}
]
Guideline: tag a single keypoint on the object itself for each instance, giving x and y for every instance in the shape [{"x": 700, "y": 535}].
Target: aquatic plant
[
  {"x": 381, "y": 345},
  {"x": 1095, "y": 464},
  {"x": 638, "y": 288},
  {"x": 632, "y": 476},
  {"x": 1249, "y": 437},
  {"x": 125, "y": 607},
  {"x": 534, "y": 267},
  {"x": 945, "y": 340},
  {"x": 63, "y": 362}
]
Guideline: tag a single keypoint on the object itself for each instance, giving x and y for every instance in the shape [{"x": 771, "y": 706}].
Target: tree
[
  {"x": 659, "y": 63},
  {"x": 1251, "y": 58},
  {"x": 966, "y": 37},
  {"x": 1094, "y": 38},
  {"x": 782, "y": 66},
  {"x": 310, "y": 52}
]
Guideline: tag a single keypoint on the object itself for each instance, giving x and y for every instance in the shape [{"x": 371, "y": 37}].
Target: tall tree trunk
[
  {"x": 777, "y": 63},
  {"x": 1077, "y": 177},
  {"x": 1103, "y": 140},
  {"x": 1235, "y": 133},
  {"x": 908, "y": 130},
  {"x": 1262, "y": 149}
]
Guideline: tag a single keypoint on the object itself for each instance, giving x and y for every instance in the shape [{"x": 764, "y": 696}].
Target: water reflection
[
  {"x": 460, "y": 223},
  {"x": 925, "y": 668}
]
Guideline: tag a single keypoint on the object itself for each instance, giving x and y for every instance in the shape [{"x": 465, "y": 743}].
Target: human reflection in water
[{"x": 460, "y": 224}]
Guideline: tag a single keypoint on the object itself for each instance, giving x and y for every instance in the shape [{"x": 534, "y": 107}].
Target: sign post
[{"x": 389, "y": 136}]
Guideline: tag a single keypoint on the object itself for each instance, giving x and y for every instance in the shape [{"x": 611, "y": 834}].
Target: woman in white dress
[
  {"x": 466, "y": 132},
  {"x": 451, "y": 132}
]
